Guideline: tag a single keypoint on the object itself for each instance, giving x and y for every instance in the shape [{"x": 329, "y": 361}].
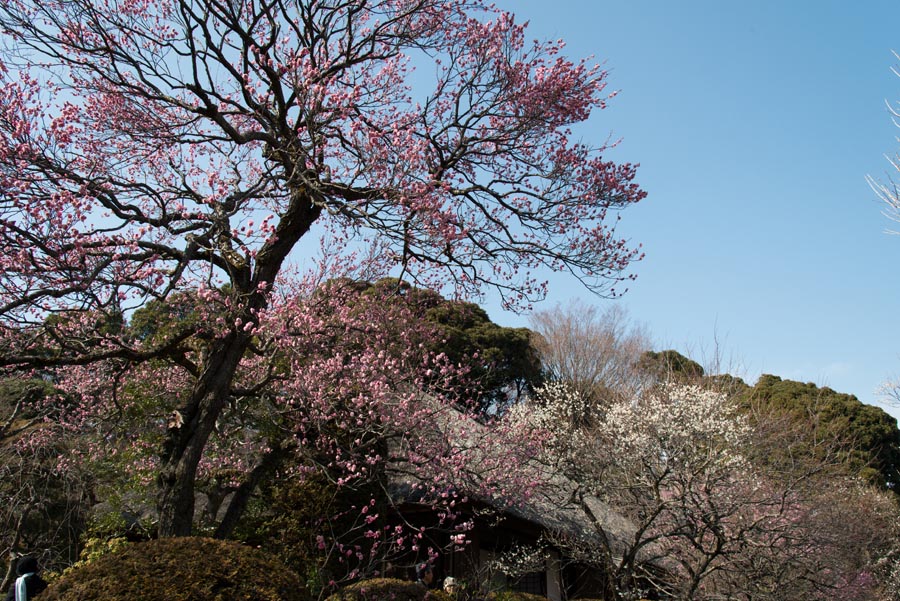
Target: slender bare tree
[{"x": 595, "y": 351}]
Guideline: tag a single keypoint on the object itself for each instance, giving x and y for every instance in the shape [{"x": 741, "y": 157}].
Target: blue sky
[{"x": 755, "y": 124}]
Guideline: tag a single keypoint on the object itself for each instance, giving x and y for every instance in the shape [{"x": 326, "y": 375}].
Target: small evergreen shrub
[
  {"x": 186, "y": 569},
  {"x": 378, "y": 589}
]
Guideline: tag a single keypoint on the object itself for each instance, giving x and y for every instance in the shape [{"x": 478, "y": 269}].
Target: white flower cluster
[
  {"x": 555, "y": 406},
  {"x": 672, "y": 418},
  {"x": 673, "y": 423},
  {"x": 521, "y": 560},
  {"x": 558, "y": 411}
]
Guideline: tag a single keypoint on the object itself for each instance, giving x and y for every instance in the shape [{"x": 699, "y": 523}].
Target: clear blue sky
[{"x": 755, "y": 124}]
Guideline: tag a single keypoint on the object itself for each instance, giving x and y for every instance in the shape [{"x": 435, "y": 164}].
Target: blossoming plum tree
[
  {"x": 39, "y": 501},
  {"x": 703, "y": 517},
  {"x": 151, "y": 148},
  {"x": 668, "y": 462}
]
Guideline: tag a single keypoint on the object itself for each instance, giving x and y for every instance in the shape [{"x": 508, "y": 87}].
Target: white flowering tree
[{"x": 677, "y": 504}]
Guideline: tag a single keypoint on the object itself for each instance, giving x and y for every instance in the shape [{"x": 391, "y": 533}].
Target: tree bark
[{"x": 184, "y": 445}]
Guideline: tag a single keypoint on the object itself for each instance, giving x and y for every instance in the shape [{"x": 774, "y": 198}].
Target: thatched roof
[{"x": 550, "y": 504}]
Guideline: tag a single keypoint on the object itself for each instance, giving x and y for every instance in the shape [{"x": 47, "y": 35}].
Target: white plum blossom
[
  {"x": 674, "y": 423},
  {"x": 668, "y": 462}
]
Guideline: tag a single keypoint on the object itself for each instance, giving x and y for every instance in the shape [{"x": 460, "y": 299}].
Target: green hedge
[
  {"x": 381, "y": 588},
  {"x": 185, "y": 569},
  {"x": 378, "y": 589}
]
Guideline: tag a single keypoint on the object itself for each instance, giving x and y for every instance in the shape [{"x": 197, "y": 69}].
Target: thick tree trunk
[
  {"x": 176, "y": 498},
  {"x": 185, "y": 443}
]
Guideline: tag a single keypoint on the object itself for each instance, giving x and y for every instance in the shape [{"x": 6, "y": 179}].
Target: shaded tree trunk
[{"x": 184, "y": 445}]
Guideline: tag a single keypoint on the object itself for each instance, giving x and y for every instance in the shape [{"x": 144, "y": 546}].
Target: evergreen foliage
[
  {"x": 502, "y": 362},
  {"x": 671, "y": 364},
  {"x": 869, "y": 437},
  {"x": 191, "y": 568},
  {"x": 381, "y": 588},
  {"x": 24, "y": 395}
]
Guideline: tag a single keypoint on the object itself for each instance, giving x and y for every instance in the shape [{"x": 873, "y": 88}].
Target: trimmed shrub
[
  {"x": 187, "y": 569},
  {"x": 379, "y": 589},
  {"x": 376, "y": 589},
  {"x": 514, "y": 596}
]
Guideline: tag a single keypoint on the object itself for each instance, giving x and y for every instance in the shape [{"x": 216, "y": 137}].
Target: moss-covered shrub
[
  {"x": 187, "y": 569},
  {"x": 514, "y": 596},
  {"x": 376, "y": 589}
]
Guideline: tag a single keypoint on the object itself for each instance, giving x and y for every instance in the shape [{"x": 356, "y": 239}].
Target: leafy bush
[
  {"x": 94, "y": 548},
  {"x": 191, "y": 568},
  {"x": 376, "y": 589},
  {"x": 514, "y": 596}
]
